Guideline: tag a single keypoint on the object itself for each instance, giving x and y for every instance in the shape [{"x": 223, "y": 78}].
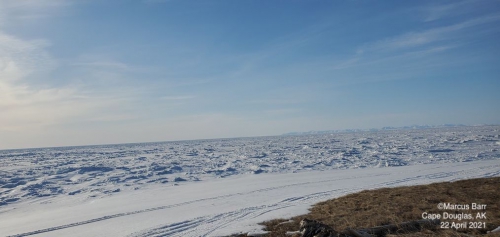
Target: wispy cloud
[
  {"x": 15, "y": 10},
  {"x": 24, "y": 106},
  {"x": 414, "y": 39},
  {"x": 191, "y": 80},
  {"x": 36, "y": 3},
  {"x": 25, "y": 109},
  {"x": 411, "y": 48},
  {"x": 436, "y": 12},
  {"x": 27, "y": 106},
  {"x": 20, "y": 58}
]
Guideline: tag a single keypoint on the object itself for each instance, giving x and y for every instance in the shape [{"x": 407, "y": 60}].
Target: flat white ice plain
[{"x": 223, "y": 186}]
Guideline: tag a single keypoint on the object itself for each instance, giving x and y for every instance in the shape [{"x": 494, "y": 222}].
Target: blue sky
[{"x": 98, "y": 72}]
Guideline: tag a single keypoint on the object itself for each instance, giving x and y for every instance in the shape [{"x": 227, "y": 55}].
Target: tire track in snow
[
  {"x": 178, "y": 205},
  {"x": 230, "y": 217},
  {"x": 202, "y": 226},
  {"x": 259, "y": 210},
  {"x": 210, "y": 223}
]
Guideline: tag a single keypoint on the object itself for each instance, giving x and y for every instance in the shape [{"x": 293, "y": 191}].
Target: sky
[{"x": 81, "y": 72}]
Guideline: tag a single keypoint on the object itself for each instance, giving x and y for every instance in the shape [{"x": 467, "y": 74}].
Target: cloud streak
[
  {"x": 415, "y": 39},
  {"x": 437, "y": 12},
  {"x": 165, "y": 75},
  {"x": 30, "y": 10},
  {"x": 20, "y": 58},
  {"x": 27, "y": 103}
]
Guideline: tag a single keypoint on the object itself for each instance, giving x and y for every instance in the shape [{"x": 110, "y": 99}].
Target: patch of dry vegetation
[{"x": 395, "y": 205}]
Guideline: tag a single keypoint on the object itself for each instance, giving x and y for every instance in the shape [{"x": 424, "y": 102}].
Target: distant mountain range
[{"x": 375, "y": 129}]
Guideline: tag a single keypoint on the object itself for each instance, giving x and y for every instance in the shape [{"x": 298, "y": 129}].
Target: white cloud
[
  {"x": 437, "y": 12},
  {"x": 35, "y": 4},
  {"x": 414, "y": 39},
  {"x": 27, "y": 106},
  {"x": 30, "y": 10},
  {"x": 414, "y": 48},
  {"x": 23, "y": 106},
  {"x": 20, "y": 58}
]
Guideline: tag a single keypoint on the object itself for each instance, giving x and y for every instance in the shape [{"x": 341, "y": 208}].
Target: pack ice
[{"x": 223, "y": 186}]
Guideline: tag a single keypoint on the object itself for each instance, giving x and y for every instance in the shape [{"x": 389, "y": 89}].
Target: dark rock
[{"x": 312, "y": 228}]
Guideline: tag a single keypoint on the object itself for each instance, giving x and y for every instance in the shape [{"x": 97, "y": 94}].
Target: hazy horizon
[
  {"x": 110, "y": 72},
  {"x": 290, "y": 133}
]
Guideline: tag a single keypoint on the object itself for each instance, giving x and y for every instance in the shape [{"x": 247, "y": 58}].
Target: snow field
[{"x": 223, "y": 186}]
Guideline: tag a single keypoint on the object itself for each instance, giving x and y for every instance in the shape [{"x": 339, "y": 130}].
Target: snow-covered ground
[{"x": 222, "y": 186}]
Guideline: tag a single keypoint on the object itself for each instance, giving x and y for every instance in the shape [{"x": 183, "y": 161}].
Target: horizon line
[{"x": 347, "y": 130}]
